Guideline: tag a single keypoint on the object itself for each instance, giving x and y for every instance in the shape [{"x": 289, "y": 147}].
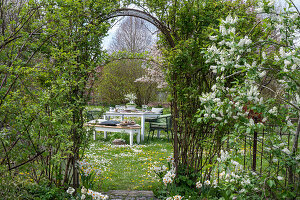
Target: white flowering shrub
[{"x": 236, "y": 104}]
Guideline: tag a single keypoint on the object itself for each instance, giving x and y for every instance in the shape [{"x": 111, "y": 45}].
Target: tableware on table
[
  {"x": 122, "y": 108},
  {"x": 144, "y": 108}
]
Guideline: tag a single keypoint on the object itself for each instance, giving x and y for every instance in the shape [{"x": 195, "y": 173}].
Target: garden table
[
  {"x": 138, "y": 114},
  {"x": 135, "y": 129}
]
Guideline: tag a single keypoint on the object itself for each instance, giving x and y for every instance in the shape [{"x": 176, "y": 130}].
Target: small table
[
  {"x": 127, "y": 129},
  {"x": 142, "y": 115}
]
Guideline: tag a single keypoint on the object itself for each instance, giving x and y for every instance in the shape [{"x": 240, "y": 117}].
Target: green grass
[{"x": 126, "y": 167}]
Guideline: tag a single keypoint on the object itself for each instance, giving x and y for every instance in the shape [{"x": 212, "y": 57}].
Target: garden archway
[{"x": 145, "y": 16}]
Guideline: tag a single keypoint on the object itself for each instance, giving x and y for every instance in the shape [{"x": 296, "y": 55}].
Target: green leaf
[{"x": 271, "y": 183}]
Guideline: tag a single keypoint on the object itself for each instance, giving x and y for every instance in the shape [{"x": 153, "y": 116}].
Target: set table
[{"x": 140, "y": 114}]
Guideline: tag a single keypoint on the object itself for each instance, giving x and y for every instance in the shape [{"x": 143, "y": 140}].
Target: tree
[
  {"x": 133, "y": 35},
  {"x": 118, "y": 78},
  {"x": 48, "y": 51}
]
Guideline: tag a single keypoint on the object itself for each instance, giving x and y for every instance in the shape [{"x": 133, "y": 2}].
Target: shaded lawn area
[{"x": 127, "y": 167}]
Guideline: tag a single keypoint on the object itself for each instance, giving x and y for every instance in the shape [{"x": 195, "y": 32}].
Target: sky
[{"x": 113, "y": 30}]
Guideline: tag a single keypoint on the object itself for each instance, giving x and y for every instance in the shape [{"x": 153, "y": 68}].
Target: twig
[{"x": 296, "y": 107}]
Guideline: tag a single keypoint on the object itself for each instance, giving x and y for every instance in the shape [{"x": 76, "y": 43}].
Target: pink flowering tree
[{"x": 154, "y": 69}]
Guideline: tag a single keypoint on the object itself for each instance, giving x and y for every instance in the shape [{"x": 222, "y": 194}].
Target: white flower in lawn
[
  {"x": 97, "y": 195},
  {"x": 167, "y": 179},
  {"x": 205, "y": 115},
  {"x": 158, "y": 170},
  {"x": 199, "y": 184},
  {"x": 70, "y": 190},
  {"x": 83, "y": 190},
  {"x": 215, "y": 183},
  {"x": 207, "y": 182},
  {"x": 170, "y": 159},
  {"x": 213, "y": 115},
  {"x": 82, "y": 196},
  {"x": 279, "y": 178},
  {"x": 285, "y": 150},
  {"x": 275, "y": 160},
  {"x": 224, "y": 156},
  {"x": 98, "y": 172},
  {"x": 222, "y": 174},
  {"x": 177, "y": 197},
  {"x": 227, "y": 176}
]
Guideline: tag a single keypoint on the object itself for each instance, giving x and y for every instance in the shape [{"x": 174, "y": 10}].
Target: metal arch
[{"x": 143, "y": 15}]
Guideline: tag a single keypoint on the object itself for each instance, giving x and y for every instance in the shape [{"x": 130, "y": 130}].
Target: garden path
[{"x": 130, "y": 195}]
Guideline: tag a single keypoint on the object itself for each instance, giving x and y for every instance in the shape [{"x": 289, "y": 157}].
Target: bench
[{"x": 127, "y": 129}]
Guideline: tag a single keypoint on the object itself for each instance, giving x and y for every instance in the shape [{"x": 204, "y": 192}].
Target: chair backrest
[
  {"x": 94, "y": 114},
  {"x": 157, "y": 110},
  {"x": 169, "y": 121},
  {"x": 165, "y": 119}
]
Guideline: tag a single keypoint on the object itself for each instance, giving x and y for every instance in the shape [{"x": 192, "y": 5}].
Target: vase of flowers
[{"x": 131, "y": 105}]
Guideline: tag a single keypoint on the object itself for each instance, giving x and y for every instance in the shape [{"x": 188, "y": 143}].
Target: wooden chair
[
  {"x": 94, "y": 114},
  {"x": 154, "y": 119},
  {"x": 162, "y": 123}
]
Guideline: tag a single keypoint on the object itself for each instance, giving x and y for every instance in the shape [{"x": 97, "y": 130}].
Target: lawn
[{"x": 127, "y": 167}]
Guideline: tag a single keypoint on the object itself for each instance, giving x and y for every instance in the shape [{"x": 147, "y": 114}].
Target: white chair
[{"x": 155, "y": 110}]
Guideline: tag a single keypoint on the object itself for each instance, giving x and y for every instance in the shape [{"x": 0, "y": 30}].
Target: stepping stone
[{"x": 130, "y": 195}]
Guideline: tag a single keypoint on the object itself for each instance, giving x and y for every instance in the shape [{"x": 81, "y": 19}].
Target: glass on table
[
  {"x": 117, "y": 108},
  {"x": 144, "y": 108},
  {"x": 122, "y": 108}
]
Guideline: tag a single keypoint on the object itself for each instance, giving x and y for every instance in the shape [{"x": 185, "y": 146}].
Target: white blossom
[
  {"x": 198, "y": 184},
  {"x": 207, "y": 182},
  {"x": 279, "y": 178},
  {"x": 70, "y": 190},
  {"x": 285, "y": 150}
]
